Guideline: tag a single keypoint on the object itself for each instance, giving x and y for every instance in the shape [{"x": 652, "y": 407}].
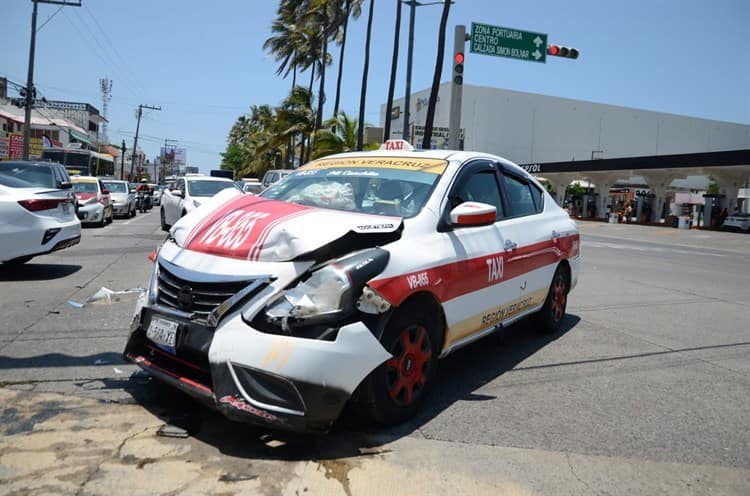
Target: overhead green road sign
[{"x": 508, "y": 42}]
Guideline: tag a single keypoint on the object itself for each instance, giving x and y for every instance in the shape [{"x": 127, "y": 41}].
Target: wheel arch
[
  {"x": 567, "y": 271},
  {"x": 434, "y": 307}
]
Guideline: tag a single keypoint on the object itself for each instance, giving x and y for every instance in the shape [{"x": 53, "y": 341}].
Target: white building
[{"x": 560, "y": 138}]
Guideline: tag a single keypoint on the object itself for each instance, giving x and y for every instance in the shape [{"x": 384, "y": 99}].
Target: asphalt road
[{"x": 648, "y": 384}]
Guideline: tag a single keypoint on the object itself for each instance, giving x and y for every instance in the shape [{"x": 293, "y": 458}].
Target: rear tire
[
  {"x": 164, "y": 225},
  {"x": 550, "y": 317},
  {"x": 394, "y": 392}
]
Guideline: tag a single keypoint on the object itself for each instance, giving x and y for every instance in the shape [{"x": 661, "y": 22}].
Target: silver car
[{"x": 123, "y": 199}]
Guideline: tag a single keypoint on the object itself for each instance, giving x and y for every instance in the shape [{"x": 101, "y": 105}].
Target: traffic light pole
[{"x": 454, "y": 119}]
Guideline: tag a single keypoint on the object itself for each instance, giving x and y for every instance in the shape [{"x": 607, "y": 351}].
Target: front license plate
[{"x": 162, "y": 331}]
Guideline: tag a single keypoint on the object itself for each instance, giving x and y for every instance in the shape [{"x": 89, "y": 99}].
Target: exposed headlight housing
[
  {"x": 325, "y": 294},
  {"x": 329, "y": 297}
]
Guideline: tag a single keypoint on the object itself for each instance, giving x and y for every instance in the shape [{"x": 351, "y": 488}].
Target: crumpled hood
[{"x": 254, "y": 228}]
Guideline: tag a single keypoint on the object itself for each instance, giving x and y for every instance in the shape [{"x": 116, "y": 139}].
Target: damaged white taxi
[{"x": 347, "y": 281}]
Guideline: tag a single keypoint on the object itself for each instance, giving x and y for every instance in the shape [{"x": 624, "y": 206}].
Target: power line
[{"x": 30, "y": 91}]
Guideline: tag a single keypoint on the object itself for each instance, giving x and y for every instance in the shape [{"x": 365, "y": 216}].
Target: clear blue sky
[{"x": 204, "y": 64}]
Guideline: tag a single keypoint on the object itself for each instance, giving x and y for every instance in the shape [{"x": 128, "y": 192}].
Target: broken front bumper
[{"x": 251, "y": 376}]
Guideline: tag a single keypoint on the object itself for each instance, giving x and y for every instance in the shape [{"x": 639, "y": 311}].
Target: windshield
[
  {"x": 116, "y": 187},
  {"x": 85, "y": 188},
  {"x": 208, "y": 188},
  {"x": 35, "y": 175},
  {"x": 389, "y": 191}
]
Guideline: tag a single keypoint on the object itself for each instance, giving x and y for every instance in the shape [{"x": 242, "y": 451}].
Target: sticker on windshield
[{"x": 431, "y": 165}]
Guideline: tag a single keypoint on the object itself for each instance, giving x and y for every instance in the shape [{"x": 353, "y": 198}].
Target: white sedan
[
  {"x": 35, "y": 221},
  {"x": 348, "y": 281},
  {"x": 188, "y": 193}
]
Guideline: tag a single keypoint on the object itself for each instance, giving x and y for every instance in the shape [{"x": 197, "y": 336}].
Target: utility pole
[
  {"x": 137, "y": 129},
  {"x": 30, "y": 91},
  {"x": 409, "y": 56},
  {"x": 122, "y": 162}
]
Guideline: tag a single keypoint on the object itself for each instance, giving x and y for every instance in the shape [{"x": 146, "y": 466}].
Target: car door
[
  {"x": 171, "y": 201},
  {"x": 484, "y": 291},
  {"x": 533, "y": 257}
]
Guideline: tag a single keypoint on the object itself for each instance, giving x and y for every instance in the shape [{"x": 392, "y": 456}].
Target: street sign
[{"x": 508, "y": 42}]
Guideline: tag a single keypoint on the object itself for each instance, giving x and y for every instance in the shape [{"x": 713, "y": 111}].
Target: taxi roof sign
[{"x": 397, "y": 144}]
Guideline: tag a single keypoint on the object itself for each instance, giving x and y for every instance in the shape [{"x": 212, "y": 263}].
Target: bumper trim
[
  {"x": 260, "y": 404},
  {"x": 190, "y": 386}
]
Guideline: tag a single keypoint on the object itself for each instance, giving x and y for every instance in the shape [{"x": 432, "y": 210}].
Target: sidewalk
[
  {"x": 55, "y": 444},
  {"x": 692, "y": 238}
]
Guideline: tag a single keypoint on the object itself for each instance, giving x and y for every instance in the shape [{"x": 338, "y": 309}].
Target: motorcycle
[{"x": 142, "y": 201}]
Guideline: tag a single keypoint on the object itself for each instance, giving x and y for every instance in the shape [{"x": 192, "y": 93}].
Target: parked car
[
  {"x": 252, "y": 187},
  {"x": 187, "y": 193},
  {"x": 354, "y": 274},
  {"x": 123, "y": 199},
  {"x": 156, "y": 194},
  {"x": 34, "y": 220},
  {"x": 737, "y": 222},
  {"x": 95, "y": 203},
  {"x": 274, "y": 175}
]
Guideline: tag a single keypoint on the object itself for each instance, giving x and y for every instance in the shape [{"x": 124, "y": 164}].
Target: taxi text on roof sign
[{"x": 396, "y": 144}]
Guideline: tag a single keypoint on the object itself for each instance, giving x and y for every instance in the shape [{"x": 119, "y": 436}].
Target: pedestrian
[
  {"x": 628, "y": 213},
  {"x": 723, "y": 216}
]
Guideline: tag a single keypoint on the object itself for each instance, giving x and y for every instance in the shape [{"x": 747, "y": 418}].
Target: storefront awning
[
  {"x": 80, "y": 137},
  {"x": 112, "y": 150}
]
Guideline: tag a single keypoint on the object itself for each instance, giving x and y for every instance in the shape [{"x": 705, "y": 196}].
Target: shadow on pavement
[
  {"x": 460, "y": 375},
  {"x": 36, "y": 272},
  {"x": 60, "y": 360}
]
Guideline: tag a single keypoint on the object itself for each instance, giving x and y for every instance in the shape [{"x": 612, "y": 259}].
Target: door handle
[
  {"x": 555, "y": 234},
  {"x": 510, "y": 245}
]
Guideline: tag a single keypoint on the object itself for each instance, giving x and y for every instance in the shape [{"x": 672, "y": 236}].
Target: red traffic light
[
  {"x": 562, "y": 51},
  {"x": 459, "y": 58}
]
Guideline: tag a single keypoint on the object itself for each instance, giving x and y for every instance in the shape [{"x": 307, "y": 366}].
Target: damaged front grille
[{"x": 199, "y": 297}]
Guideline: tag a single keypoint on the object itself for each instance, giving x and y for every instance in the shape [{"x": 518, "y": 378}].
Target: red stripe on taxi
[{"x": 456, "y": 279}]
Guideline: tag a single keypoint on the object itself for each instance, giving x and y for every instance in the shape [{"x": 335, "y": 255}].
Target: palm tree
[
  {"x": 426, "y": 142},
  {"x": 363, "y": 94},
  {"x": 288, "y": 40},
  {"x": 338, "y": 134},
  {"x": 353, "y": 9},
  {"x": 394, "y": 66},
  {"x": 295, "y": 119}
]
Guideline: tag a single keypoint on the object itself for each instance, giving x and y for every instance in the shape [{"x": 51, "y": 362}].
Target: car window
[
  {"x": 37, "y": 175},
  {"x": 520, "y": 198},
  {"x": 81, "y": 187},
  {"x": 479, "y": 186},
  {"x": 116, "y": 187},
  {"x": 363, "y": 188},
  {"x": 208, "y": 188},
  {"x": 57, "y": 175}
]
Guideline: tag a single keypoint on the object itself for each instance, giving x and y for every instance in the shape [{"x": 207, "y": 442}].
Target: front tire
[
  {"x": 394, "y": 392},
  {"x": 550, "y": 317}
]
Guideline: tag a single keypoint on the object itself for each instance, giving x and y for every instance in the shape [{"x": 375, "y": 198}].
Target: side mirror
[
  {"x": 473, "y": 214},
  {"x": 65, "y": 185},
  {"x": 105, "y": 191},
  {"x": 178, "y": 192}
]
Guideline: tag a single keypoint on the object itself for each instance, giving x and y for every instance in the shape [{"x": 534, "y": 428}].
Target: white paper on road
[{"x": 104, "y": 296}]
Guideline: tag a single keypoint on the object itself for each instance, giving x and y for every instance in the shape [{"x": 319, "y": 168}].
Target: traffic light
[
  {"x": 562, "y": 51},
  {"x": 458, "y": 68}
]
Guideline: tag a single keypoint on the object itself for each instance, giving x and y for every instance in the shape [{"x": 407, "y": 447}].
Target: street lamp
[{"x": 413, "y": 4}]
